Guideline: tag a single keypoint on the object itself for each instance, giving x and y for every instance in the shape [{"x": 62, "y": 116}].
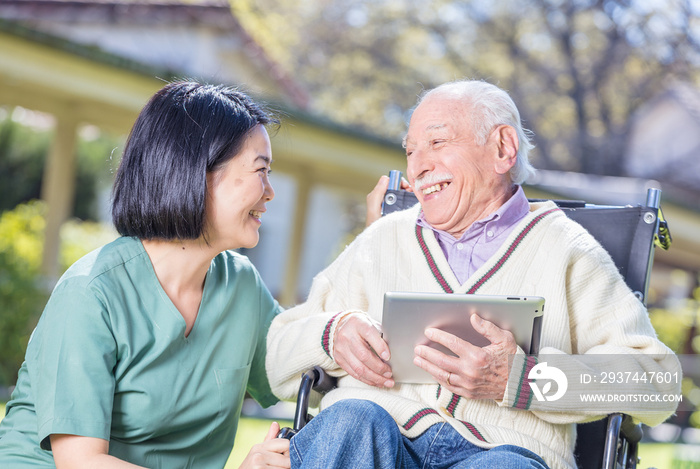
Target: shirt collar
[{"x": 506, "y": 216}]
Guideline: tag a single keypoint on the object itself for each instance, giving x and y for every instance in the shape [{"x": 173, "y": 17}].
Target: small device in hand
[{"x": 396, "y": 198}]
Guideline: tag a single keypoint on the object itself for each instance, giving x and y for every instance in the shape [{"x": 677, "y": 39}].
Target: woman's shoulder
[
  {"x": 97, "y": 280},
  {"x": 234, "y": 265},
  {"x": 232, "y": 271},
  {"x": 102, "y": 260},
  {"x": 234, "y": 260}
]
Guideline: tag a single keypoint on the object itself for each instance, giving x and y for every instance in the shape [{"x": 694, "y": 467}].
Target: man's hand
[
  {"x": 360, "y": 350},
  {"x": 271, "y": 453},
  {"x": 476, "y": 372}
]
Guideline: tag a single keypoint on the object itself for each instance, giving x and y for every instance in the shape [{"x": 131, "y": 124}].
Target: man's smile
[{"x": 435, "y": 188}]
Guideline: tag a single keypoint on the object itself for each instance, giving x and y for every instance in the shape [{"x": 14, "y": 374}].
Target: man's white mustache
[{"x": 431, "y": 179}]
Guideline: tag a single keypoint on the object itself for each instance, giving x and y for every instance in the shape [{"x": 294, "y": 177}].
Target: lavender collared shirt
[{"x": 483, "y": 238}]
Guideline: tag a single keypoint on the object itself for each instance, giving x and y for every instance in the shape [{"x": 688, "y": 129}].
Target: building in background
[{"x": 97, "y": 63}]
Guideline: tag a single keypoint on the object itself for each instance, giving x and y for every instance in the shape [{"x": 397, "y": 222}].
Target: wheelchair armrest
[
  {"x": 314, "y": 379},
  {"x": 621, "y": 426},
  {"x": 631, "y": 431},
  {"x": 324, "y": 382}
]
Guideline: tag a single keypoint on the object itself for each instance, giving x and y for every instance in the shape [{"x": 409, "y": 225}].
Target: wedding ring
[{"x": 449, "y": 375}]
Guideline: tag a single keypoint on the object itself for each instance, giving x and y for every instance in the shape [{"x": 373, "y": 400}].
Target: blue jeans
[{"x": 360, "y": 434}]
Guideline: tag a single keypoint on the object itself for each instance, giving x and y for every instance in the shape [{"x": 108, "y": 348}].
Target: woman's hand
[
  {"x": 272, "y": 452},
  {"x": 376, "y": 197}
]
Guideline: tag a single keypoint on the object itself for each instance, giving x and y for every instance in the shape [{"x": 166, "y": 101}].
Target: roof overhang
[
  {"x": 45, "y": 78},
  {"x": 61, "y": 80}
]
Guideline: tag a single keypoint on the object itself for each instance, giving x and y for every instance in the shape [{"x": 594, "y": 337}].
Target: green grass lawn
[
  {"x": 252, "y": 431},
  {"x": 658, "y": 455}
]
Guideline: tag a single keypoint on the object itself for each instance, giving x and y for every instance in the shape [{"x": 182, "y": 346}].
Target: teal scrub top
[{"x": 109, "y": 359}]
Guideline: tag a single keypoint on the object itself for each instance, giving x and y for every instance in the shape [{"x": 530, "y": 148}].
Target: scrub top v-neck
[{"x": 110, "y": 359}]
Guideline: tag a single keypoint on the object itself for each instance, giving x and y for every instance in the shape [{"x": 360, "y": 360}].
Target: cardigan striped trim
[
  {"x": 510, "y": 250},
  {"x": 473, "y": 430},
  {"x": 326, "y": 337},
  {"x": 417, "y": 416},
  {"x": 441, "y": 278},
  {"x": 431, "y": 262},
  {"x": 523, "y": 395},
  {"x": 454, "y": 402},
  {"x": 428, "y": 411}
]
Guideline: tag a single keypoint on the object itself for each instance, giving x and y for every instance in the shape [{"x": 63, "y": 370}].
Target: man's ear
[{"x": 507, "y": 144}]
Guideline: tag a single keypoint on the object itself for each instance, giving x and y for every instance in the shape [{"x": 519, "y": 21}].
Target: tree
[{"x": 577, "y": 69}]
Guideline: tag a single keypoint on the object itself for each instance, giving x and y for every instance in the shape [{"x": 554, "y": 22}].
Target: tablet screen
[{"x": 406, "y": 315}]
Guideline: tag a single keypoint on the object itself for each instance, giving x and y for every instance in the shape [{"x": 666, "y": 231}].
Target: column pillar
[
  {"x": 57, "y": 191},
  {"x": 288, "y": 296}
]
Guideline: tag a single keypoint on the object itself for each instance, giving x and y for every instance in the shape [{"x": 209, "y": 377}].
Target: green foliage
[
  {"x": 22, "y": 293},
  {"x": 673, "y": 326},
  {"x": 22, "y": 155},
  {"x": 678, "y": 328}
]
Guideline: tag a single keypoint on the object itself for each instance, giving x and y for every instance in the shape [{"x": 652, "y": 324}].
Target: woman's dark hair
[{"x": 185, "y": 131}]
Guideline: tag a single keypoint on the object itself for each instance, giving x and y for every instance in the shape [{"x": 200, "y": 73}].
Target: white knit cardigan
[{"x": 589, "y": 309}]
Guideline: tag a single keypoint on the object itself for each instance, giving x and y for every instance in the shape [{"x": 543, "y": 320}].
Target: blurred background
[{"x": 610, "y": 88}]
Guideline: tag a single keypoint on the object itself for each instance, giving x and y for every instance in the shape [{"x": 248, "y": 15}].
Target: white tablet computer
[{"x": 406, "y": 315}]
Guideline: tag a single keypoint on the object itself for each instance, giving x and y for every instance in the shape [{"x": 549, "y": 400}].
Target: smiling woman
[
  {"x": 238, "y": 193},
  {"x": 148, "y": 345}
]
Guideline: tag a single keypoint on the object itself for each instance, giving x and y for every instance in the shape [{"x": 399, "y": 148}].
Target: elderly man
[{"x": 472, "y": 232}]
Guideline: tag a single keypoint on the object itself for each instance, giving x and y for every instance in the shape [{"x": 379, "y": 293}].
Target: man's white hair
[{"x": 491, "y": 106}]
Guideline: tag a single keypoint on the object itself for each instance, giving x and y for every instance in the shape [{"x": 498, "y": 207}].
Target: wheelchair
[{"x": 630, "y": 234}]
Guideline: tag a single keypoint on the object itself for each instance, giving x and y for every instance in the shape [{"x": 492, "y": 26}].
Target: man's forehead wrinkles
[
  {"x": 430, "y": 128},
  {"x": 436, "y": 127}
]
